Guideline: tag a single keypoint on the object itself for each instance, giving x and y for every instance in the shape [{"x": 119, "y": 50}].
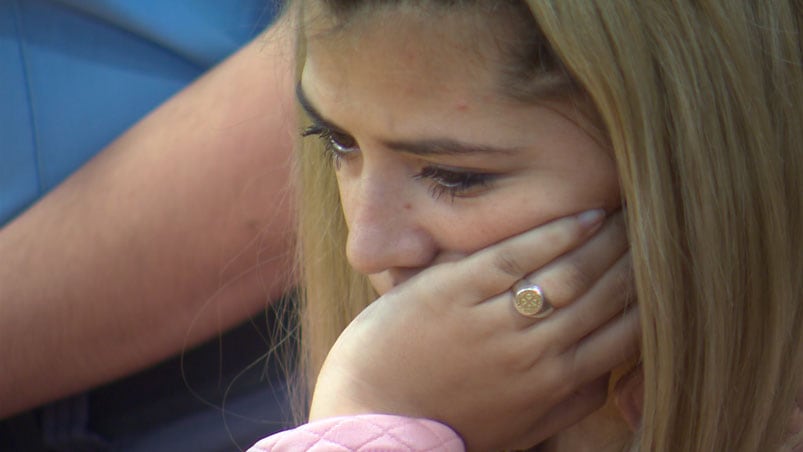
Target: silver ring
[{"x": 529, "y": 300}]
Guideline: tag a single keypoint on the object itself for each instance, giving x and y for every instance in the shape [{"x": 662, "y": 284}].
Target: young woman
[{"x": 449, "y": 129}]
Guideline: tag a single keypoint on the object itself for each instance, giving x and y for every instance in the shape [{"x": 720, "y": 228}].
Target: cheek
[
  {"x": 347, "y": 200},
  {"x": 486, "y": 223},
  {"x": 349, "y": 190},
  {"x": 472, "y": 224}
]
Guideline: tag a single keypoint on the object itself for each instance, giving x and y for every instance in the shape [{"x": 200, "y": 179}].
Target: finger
[
  {"x": 574, "y": 409},
  {"x": 601, "y": 351},
  {"x": 611, "y": 346},
  {"x": 608, "y": 298},
  {"x": 573, "y": 274},
  {"x": 495, "y": 269}
]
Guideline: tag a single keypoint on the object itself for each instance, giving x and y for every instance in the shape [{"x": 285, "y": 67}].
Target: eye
[
  {"x": 337, "y": 144},
  {"x": 453, "y": 182}
]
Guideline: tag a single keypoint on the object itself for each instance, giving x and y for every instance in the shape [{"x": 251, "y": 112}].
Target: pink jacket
[{"x": 366, "y": 432}]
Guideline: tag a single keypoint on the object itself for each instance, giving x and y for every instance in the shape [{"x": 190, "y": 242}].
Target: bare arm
[{"x": 178, "y": 230}]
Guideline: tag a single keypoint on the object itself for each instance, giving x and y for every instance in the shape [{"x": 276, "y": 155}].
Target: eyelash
[
  {"x": 455, "y": 184},
  {"x": 334, "y": 149},
  {"x": 443, "y": 182}
]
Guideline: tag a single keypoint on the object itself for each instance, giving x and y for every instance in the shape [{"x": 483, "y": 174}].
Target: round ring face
[{"x": 530, "y": 302}]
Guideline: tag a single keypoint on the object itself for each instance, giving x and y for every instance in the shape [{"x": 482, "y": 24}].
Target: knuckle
[
  {"x": 564, "y": 284},
  {"x": 508, "y": 265},
  {"x": 588, "y": 320},
  {"x": 523, "y": 358},
  {"x": 542, "y": 360},
  {"x": 532, "y": 360},
  {"x": 514, "y": 365},
  {"x": 624, "y": 279},
  {"x": 561, "y": 382},
  {"x": 563, "y": 234},
  {"x": 575, "y": 280},
  {"x": 570, "y": 369}
]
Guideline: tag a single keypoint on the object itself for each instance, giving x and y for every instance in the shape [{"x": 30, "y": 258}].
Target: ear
[
  {"x": 794, "y": 439},
  {"x": 629, "y": 397}
]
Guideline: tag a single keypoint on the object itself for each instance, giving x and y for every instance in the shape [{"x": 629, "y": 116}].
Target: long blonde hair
[{"x": 702, "y": 104}]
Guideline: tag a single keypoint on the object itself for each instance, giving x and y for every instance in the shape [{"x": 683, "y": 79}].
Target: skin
[
  {"x": 553, "y": 168},
  {"x": 367, "y": 82},
  {"x": 177, "y": 231},
  {"x": 545, "y": 166}
]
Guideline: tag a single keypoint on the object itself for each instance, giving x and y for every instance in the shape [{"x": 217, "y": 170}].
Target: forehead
[
  {"x": 411, "y": 72},
  {"x": 437, "y": 47}
]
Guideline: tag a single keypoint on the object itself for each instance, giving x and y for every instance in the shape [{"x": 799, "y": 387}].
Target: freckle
[
  {"x": 408, "y": 206},
  {"x": 462, "y": 107}
]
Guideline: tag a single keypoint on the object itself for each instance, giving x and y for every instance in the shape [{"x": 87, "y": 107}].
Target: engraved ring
[{"x": 529, "y": 300}]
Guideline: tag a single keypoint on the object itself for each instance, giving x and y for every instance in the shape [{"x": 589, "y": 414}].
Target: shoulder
[{"x": 78, "y": 73}]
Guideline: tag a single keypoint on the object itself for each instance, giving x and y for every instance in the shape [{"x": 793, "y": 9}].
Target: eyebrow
[
  {"x": 312, "y": 112},
  {"x": 425, "y": 147}
]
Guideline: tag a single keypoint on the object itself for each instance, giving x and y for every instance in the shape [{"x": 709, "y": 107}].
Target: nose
[{"x": 385, "y": 227}]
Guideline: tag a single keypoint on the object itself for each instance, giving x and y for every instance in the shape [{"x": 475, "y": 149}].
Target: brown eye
[
  {"x": 342, "y": 142},
  {"x": 454, "y": 183},
  {"x": 337, "y": 145}
]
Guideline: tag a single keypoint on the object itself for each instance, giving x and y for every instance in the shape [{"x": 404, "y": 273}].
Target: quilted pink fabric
[{"x": 367, "y": 432}]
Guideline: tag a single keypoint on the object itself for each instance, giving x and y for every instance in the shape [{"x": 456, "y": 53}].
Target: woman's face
[{"x": 433, "y": 161}]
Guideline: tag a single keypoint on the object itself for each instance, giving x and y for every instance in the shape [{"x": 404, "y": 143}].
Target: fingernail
[{"x": 591, "y": 219}]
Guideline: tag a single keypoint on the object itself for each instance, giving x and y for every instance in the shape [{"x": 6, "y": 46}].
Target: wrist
[{"x": 367, "y": 432}]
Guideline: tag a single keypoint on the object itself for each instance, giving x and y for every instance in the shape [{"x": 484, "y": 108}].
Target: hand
[{"x": 448, "y": 344}]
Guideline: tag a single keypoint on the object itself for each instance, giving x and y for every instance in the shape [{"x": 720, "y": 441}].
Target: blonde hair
[{"x": 702, "y": 106}]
